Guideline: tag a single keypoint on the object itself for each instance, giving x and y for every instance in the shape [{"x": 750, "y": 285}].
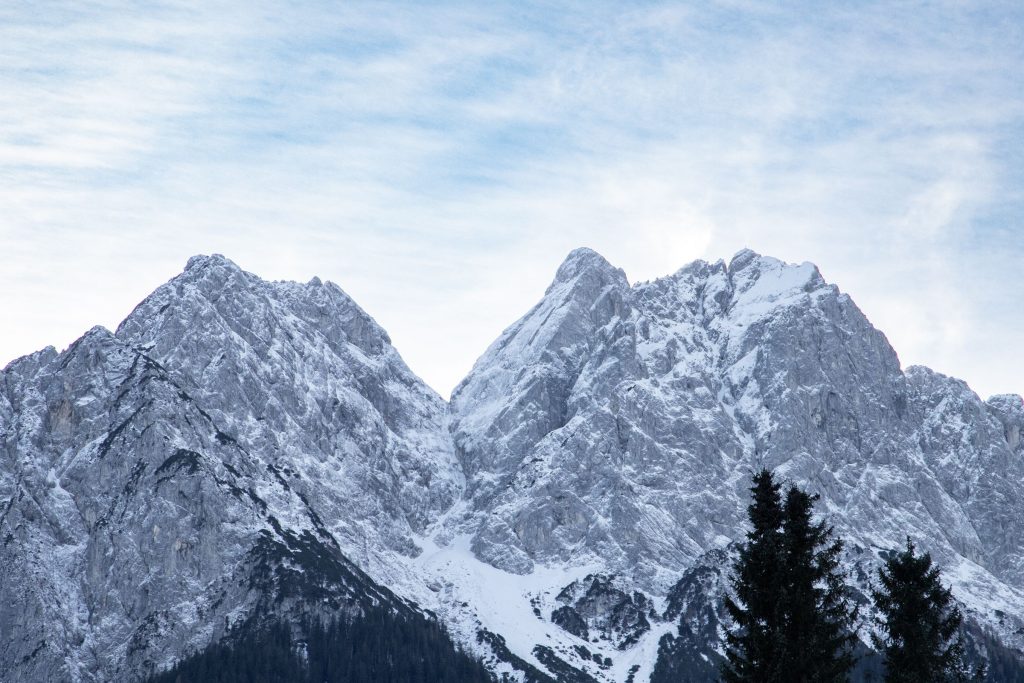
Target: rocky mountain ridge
[{"x": 241, "y": 447}]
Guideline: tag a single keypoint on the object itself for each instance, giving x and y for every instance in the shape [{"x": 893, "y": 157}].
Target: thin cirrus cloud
[{"x": 438, "y": 161}]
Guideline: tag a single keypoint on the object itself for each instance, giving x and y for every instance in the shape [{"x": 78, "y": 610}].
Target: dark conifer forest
[{"x": 378, "y": 647}]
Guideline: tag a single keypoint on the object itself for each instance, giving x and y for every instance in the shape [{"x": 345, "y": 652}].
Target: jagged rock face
[
  {"x": 134, "y": 528},
  {"x": 596, "y": 608},
  {"x": 695, "y": 605},
  {"x": 667, "y": 394},
  {"x": 619, "y": 424},
  {"x": 162, "y": 485},
  {"x": 976, "y": 495},
  {"x": 237, "y": 442},
  {"x": 1009, "y": 410},
  {"x": 300, "y": 374}
]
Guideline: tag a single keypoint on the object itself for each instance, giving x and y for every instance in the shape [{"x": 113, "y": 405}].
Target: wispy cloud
[{"x": 438, "y": 161}]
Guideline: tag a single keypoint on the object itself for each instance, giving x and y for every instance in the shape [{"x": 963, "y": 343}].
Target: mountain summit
[{"x": 244, "y": 452}]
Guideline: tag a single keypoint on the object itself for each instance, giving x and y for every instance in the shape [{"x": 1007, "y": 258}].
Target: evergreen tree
[
  {"x": 753, "y": 647},
  {"x": 793, "y": 619},
  {"x": 918, "y": 622},
  {"x": 818, "y": 617}
]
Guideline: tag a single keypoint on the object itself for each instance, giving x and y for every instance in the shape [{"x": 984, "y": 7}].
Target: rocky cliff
[{"x": 241, "y": 448}]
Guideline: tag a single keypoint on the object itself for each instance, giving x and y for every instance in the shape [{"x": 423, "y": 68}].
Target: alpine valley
[{"x": 242, "y": 456}]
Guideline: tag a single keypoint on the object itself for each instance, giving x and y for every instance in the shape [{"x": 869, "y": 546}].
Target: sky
[{"x": 439, "y": 160}]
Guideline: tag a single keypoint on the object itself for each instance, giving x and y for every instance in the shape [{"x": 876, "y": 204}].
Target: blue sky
[{"x": 438, "y": 160}]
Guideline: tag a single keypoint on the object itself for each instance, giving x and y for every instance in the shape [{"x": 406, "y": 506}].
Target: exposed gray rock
[
  {"x": 596, "y": 607},
  {"x": 692, "y": 651},
  {"x": 162, "y": 485},
  {"x": 302, "y": 375},
  {"x": 1009, "y": 410},
  {"x": 237, "y": 442},
  {"x": 618, "y": 425}
]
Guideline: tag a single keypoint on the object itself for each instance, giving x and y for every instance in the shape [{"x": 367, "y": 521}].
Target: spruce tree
[
  {"x": 818, "y": 617},
  {"x": 793, "y": 621},
  {"x": 753, "y": 647},
  {"x": 918, "y": 621}
]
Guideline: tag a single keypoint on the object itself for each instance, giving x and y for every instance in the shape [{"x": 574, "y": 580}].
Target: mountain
[
  {"x": 243, "y": 452},
  {"x": 203, "y": 465},
  {"x": 616, "y": 427}
]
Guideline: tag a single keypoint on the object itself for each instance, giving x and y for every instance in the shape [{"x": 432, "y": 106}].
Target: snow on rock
[
  {"x": 134, "y": 528},
  {"x": 575, "y": 500},
  {"x": 300, "y": 373},
  {"x": 218, "y": 458},
  {"x": 629, "y": 419}
]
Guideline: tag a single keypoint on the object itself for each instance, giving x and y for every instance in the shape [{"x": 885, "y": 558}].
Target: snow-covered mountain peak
[
  {"x": 537, "y": 359},
  {"x": 599, "y": 362},
  {"x": 751, "y": 271},
  {"x": 300, "y": 372},
  {"x": 97, "y": 332},
  {"x": 761, "y": 284},
  {"x": 573, "y": 503},
  {"x": 213, "y": 296},
  {"x": 209, "y": 275},
  {"x": 199, "y": 262},
  {"x": 584, "y": 261}
]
